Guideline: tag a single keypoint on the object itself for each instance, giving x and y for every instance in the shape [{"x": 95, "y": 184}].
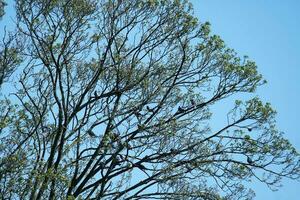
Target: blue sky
[{"x": 268, "y": 31}]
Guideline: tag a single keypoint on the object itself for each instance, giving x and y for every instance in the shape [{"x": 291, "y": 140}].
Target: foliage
[
  {"x": 113, "y": 101},
  {"x": 2, "y": 6}
]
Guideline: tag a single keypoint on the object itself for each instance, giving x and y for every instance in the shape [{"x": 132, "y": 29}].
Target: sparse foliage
[
  {"x": 112, "y": 101},
  {"x": 2, "y": 6}
]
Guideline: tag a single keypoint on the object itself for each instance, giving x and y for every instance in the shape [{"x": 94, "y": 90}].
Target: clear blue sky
[{"x": 268, "y": 31}]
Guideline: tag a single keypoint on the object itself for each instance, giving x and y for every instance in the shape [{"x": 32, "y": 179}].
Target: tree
[
  {"x": 2, "y": 5},
  {"x": 10, "y": 46},
  {"x": 112, "y": 101}
]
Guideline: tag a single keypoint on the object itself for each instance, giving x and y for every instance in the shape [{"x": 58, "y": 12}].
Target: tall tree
[{"x": 113, "y": 102}]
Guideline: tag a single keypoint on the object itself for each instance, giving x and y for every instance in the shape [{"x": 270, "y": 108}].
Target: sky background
[{"x": 268, "y": 31}]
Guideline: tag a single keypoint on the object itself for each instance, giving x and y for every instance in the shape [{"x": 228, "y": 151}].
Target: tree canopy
[
  {"x": 2, "y": 6},
  {"x": 111, "y": 99}
]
